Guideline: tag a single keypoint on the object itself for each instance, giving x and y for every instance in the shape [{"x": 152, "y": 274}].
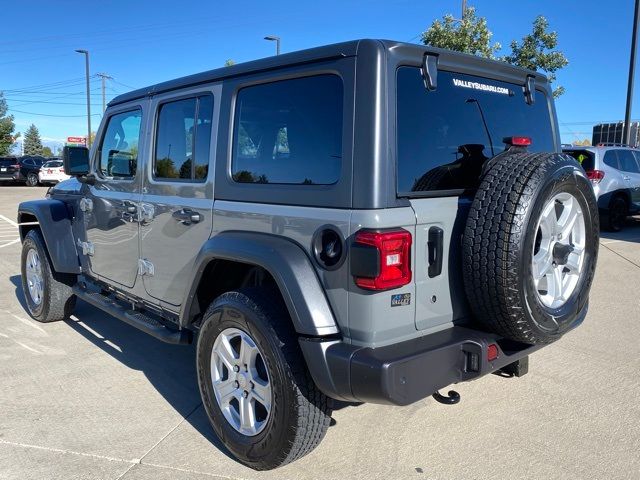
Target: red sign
[{"x": 76, "y": 140}]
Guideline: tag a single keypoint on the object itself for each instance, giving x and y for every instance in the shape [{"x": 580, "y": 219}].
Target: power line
[{"x": 48, "y": 115}]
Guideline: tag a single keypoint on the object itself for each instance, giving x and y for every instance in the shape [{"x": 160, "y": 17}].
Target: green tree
[
  {"x": 537, "y": 51},
  {"x": 7, "y": 128},
  {"x": 46, "y": 152},
  {"x": 32, "y": 143},
  {"x": 468, "y": 35},
  {"x": 228, "y": 62}
]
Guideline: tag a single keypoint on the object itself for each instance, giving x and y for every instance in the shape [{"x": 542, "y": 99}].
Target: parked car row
[
  {"x": 31, "y": 170},
  {"x": 614, "y": 171}
]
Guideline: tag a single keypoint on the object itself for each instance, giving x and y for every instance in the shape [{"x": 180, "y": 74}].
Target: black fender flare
[
  {"x": 54, "y": 218},
  {"x": 287, "y": 263}
]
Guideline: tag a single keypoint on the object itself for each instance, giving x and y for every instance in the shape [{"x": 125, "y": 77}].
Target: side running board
[{"x": 139, "y": 320}]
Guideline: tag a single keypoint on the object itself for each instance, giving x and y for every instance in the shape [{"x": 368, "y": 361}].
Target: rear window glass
[
  {"x": 8, "y": 161},
  {"x": 55, "y": 164},
  {"x": 586, "y": 158},
  {"x": 289, "y": 132},
  {"x": 443, "y": 140}
]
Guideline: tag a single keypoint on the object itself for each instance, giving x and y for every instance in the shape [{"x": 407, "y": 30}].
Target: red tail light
[
  {"x": 14, "y": 166},
  {"x": 393, "y": 259},
  {"x": 492, "y": 352},
  {"x": 595, "y": 176},
  {"x": 517, "y": 141}
]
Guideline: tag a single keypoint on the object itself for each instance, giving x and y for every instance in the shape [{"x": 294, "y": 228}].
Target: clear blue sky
[{"x": 140, "y": 43}]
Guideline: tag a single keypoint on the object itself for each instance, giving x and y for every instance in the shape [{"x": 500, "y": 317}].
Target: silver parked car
[{"x": 614, "y": 171}]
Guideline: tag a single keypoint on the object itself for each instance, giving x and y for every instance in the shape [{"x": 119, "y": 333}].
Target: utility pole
[
  {"x": 626, "y": 133},
  {"x": 464, "y": 7},
  {"x": 103, "y": 77},
  {"x": 86, "y": 64}
]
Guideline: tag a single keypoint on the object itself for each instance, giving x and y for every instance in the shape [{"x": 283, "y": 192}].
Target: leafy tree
[
  {"x": 7, "y": 128},
  {"x": 469, "y": 35},
  {"x": 46, "y": 152},
  {"x": 537, "y": 51},
  {"x": 229, "y": 62},
  {"x": 32, "y": 143}
]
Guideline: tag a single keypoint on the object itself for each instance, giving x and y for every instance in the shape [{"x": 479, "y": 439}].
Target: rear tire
[
  {"x": 32, "y": 180},
  {"x": 48, "y": 295},
  {"x": 517, "y": 267},
  {"x": 617, "y": 214},
  {"x": 298, "y": 415}
]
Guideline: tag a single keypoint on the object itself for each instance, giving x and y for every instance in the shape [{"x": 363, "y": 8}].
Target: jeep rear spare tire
[{"x": 530, "y": 246}]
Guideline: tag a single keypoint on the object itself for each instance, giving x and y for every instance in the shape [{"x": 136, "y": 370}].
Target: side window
[
  {"x": 28, "y": 162},
  {"x": 627, "y": 161},
  {"x": 289, "y": 132},
  {"x": 611, "y": 159},
  {"x": 118, "y": 154},
  {"x": 183, "y": 139}
]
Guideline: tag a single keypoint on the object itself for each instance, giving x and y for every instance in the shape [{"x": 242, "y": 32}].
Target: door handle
[
  {"x": 434, "y": 246},
  {"x": 130, "y": 207},
  {"x": 186, "y": 216}
]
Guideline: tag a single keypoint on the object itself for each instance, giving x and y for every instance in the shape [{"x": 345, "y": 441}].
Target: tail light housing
[
  {"x": 381, "y": 260},
  {"x": 518, "y": 141},
  {"x": 14, "y": 166},
  {"x": 595, "y": 176}
]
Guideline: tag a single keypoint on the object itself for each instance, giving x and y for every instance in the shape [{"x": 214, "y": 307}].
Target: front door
[
  {"x": 110, "y": 206},
  {"x": 177, "y": 201}
]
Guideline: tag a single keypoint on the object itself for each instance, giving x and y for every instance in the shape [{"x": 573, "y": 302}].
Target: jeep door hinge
[
  {"x": 86, "y": 247},
  {"x": 145, "y": 267},
  {"x": 86, "y": 205}
]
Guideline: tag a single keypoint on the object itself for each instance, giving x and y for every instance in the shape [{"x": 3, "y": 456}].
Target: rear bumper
[{"x": 406, "y": 372}]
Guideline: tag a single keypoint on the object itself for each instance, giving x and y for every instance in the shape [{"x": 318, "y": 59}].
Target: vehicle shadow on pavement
[
  {"x": 630, "y": 233},
  {"x": 169, "y": 368}
]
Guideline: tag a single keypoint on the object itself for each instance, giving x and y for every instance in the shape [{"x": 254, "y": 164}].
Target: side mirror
[{"x": 75, "y": 161}]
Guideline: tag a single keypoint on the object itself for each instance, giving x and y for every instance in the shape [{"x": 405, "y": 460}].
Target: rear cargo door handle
[{"x": 435, "y": 246}]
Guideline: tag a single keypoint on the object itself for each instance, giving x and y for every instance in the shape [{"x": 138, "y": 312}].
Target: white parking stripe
[
  {"x": 10, "y": 222},
  {"x": 10, "y": 243}
]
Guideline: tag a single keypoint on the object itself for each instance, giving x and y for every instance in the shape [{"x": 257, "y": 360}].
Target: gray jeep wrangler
[{"x": 370, "y": 221}]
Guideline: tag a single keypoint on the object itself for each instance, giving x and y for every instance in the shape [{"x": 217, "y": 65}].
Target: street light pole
[
  {"x": 274, "y": 38},
  {"x": 86, "y": 59},
  {"x": 626, "y": 133}
]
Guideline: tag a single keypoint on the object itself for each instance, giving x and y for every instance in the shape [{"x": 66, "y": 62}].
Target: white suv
[
  {"x": 614, "y": 171},
  {"x": 52, "y": 172}
]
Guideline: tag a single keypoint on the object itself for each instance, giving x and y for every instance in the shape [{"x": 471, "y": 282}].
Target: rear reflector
[
  {"x": 393, "y": 257},
  {"x": 492, "y": 352},
  {"x": 595, "y": 176},
  {"x": 517, "y": 141}
]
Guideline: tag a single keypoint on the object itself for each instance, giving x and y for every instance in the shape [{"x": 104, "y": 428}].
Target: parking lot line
[{"x": 9, "y": 221}]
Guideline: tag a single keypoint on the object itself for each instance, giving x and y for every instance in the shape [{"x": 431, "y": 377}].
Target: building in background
[{"x": 612, "y": 133}]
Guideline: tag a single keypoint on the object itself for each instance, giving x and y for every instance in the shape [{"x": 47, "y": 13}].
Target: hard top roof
[{"x": 327, "y": 52}]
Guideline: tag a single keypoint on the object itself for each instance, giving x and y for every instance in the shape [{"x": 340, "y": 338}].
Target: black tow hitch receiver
[{"x": 518, "y": 368}]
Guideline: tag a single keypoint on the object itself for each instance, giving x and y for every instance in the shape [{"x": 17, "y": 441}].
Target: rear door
[
  {"x": 177, "y": 201},
  {"x": 444, "y": 138},
  {"x": 628, "y": 160}
]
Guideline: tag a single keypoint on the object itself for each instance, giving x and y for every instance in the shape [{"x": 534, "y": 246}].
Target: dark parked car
[
  {"x": 9, "y": 168},
  {"x": 22, "y": 169}
]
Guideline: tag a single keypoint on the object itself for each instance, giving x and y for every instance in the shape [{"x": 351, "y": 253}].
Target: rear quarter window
[
  {"x": 442, "y": 139},
  {"x": 289, "y": 132}
]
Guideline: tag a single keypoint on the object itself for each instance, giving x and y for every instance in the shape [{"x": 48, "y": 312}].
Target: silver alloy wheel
[
  {"x": 240, "y": 381},
  {"x": 558, "y": 250},
  {"x": 35, "y": 279}
]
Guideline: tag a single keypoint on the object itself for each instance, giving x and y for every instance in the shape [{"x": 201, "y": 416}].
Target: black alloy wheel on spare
[{"x": 530, "y": 246}]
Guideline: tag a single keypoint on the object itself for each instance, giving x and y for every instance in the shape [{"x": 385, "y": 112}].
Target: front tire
[
  {"x": 290, "y": 415},
  {"x": 48, "y": 294}
]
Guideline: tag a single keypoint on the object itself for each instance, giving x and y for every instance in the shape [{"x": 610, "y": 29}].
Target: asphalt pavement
[{"x": 93, "y": 398}]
